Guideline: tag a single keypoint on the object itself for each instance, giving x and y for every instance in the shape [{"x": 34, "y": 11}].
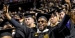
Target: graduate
[
  {"x": 6, "y": 33},
  {"x": 72, "y": 27},
  {"x": 41, "y": 31},
  {"x": 29, "y": 20}
]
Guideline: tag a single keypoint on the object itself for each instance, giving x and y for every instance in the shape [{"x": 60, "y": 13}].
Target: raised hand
[{"x": 5, "y": 9}]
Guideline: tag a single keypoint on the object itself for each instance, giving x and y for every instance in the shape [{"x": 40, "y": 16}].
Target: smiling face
[{"x": 42, "y": 23}]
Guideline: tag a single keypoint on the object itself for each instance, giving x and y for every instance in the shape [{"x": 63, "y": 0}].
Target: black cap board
[
  {"x": 32, "y": 15},
  {"x": 29, "y": 15},
  {"x": 6, "y": 32},
  {"x": 45, "y": 16}
]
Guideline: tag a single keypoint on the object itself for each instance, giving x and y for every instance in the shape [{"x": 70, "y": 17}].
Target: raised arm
[{"x": 12, "y": 21}]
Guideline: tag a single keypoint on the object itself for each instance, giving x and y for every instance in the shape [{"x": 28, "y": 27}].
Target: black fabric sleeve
[
  {"x": 15, "y": 23},
  {"x": 64, "y": 21},
  {"x": 21, "y": 31}
]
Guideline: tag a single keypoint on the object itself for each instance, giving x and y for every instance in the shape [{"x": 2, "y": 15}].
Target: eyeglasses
[{"x": 42, "y": 21}]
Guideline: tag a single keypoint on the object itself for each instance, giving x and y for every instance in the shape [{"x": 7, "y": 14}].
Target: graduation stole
[
  {"x": 45, "y": 36},
  {"x": 36, "y": 34}
]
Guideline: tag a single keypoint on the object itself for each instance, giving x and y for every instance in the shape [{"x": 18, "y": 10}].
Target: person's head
[
  {"x": 51, "y": 4},
  {"x": 20, "y": 8},
  {"x": 6, "y": 33},
  {"x": 7, "y": 25},
  {"x": 6, "y": 37},
  {"x": 42, "y": 21},
  {"x": 53, "y": 18},
  {"x": 61, "y": 14},
  {"x": 29, "y": 19}
]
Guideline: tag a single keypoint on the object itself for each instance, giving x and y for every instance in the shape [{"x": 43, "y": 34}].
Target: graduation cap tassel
[{"x": 46, "y": 36}]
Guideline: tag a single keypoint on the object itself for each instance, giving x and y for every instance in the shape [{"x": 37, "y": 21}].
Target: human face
[
  {"x": 29, "y": 21},
  {"x": 42, "y": 23},
  {"x": 53, "y": 19},
  {"x": 61, "y": 15}
]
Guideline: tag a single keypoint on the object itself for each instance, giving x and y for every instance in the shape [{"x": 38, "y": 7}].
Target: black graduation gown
[
  {"x": 60, "y": 30},
  {"x": 72, "y": 31},
  {"x": 24, "y": 32}
]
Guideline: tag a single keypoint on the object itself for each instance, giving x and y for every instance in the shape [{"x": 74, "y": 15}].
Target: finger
[{"x": 7, "y": 8}]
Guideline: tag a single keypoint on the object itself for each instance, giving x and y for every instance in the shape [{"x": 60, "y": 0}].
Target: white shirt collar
[{"x": 46, "y": 30}]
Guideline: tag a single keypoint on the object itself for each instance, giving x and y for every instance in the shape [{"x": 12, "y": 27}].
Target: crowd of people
[{"x": 52, "y": 19}]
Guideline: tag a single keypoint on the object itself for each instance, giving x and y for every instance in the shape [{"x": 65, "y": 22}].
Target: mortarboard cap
[
  {"x": 32, "y": 15},
  {"x": 21, "y": 15},
  {"x": 59, "y": 10},
  {"x": 45, "y": 16},
  {"x": 29, "y": 15},
  {"x": 51, "y": 9},
  {"x": 6, "y": 23},
  {"x": 53, "y": 13},
  {"x": 36, "y": 11},
  {"x": 6, "y": 32}
]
